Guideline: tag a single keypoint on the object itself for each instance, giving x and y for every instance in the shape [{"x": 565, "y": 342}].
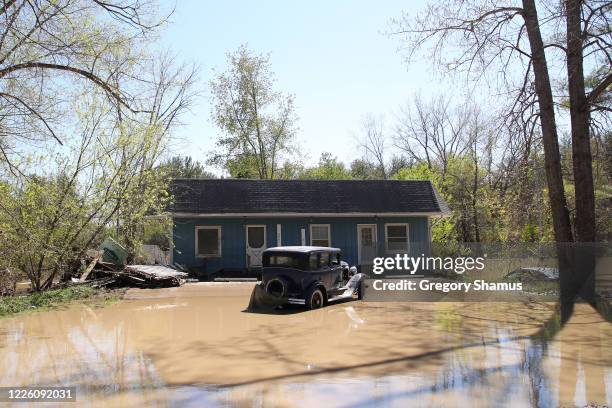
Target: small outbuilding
[{"x": 225, "y": 224}]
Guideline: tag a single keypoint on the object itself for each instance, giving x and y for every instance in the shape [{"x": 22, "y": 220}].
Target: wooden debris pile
[
  {"x": 101, "y": 273},
  {"x": 152, "y": 276}
]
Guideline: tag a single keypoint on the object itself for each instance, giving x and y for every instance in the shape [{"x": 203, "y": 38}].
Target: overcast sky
[{"x": 333, "y": 55}]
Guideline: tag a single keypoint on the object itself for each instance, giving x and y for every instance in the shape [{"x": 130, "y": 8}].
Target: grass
[{"x": 54, "y": 298}]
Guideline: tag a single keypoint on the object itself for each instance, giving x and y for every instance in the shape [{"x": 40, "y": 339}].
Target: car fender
[{"x": 316, "y": 284}]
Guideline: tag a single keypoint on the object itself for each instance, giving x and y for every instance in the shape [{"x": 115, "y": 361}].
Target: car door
[
  {"x": 336, "y": 270},
  {"x": 331, "y": 273}
]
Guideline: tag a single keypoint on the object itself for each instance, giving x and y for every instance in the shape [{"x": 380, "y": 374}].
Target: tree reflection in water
[{"x": 201, "y": 350}]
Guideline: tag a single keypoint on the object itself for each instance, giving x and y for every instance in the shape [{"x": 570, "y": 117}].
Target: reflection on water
[{"x": 194, "y": 346}]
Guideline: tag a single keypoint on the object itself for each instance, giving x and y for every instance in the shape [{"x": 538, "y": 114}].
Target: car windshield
[{"x": 284, "y": 260}]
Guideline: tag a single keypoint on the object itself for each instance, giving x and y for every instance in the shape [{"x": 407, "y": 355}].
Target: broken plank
[{"x": 92, "y": 264}]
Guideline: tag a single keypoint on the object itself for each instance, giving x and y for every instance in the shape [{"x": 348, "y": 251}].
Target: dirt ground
[{"x": 196, "y": 346}]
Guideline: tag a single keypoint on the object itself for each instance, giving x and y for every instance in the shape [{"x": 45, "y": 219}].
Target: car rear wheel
[{"x": 316, "y": 300}]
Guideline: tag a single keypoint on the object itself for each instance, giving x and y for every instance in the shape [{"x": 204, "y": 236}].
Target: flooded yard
[{"x": 195, "y": 346}]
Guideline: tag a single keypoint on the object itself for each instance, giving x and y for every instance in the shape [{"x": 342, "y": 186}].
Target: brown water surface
[{"x": 195, "y": 346}]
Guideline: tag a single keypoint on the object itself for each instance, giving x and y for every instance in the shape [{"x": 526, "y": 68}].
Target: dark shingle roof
[{"x": 224, "y": 196}]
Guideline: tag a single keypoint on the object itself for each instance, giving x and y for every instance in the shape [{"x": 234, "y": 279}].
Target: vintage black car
[{"x": 305, "y": 275}]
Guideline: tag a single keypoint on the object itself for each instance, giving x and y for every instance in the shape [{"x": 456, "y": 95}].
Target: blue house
[{"x": 224, "y": 225}]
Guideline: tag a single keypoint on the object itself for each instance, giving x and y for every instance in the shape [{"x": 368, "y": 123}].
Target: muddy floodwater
[{"x": 195, "y": 346}]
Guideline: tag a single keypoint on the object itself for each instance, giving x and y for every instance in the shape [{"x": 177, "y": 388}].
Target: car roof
[{"x": 302, "y": 249}]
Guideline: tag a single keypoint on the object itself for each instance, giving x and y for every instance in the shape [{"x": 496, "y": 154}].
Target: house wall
[{"x": 343, "y": 233}]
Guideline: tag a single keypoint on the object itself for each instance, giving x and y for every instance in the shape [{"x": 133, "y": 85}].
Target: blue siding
[{"x": 233, "y": 246}]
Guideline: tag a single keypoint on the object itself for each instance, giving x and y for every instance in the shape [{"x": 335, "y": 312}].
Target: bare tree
[
  {"x": 507, "y": 38},
  {"x": 372, "y": 141},
  {"x": 433, "y": 131}
]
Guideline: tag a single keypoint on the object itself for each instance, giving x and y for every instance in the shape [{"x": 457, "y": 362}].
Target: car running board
[
  {"x": 346, "y": 295},
  {"x": 348, "y": 290}
]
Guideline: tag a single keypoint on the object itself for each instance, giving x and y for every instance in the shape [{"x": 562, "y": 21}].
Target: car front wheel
[{"x": 316, "y": 299}]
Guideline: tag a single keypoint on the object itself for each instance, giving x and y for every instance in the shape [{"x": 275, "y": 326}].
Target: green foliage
[
  {"x": 243, "y": 166},
  {"x": 42, "y": 300},
  {"x": 601, "y": 148},
  {"x": 329, "y": 168},
  {"x": 117, "y": 103},
  {"x": 184, "y": 167},
  {"x": 481, "y": 211},
  {"x": 53, "y": 49},
  {"x": 104, "y": 182},
  {"x": 362, "y": 170},
  {"x": 420, "y": 172},
  {"x": 258, "y": 123},
  {"x": 157, "y": 231}
]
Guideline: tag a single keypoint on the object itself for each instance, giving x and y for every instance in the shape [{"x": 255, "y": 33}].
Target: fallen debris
[
  {"x": 101, "y": 273},
  {"x": 153, "y": 275},
  {"x": 113, "y": 252},
  {"x": 91, "y": 266},
  {"x": 533, "y": 274}
]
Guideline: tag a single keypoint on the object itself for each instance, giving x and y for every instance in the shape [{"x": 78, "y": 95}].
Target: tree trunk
[
  {"x": 584, "y": 224},
  {"x": 552, "y": 160},
  {"x": 475, "y": 198}
]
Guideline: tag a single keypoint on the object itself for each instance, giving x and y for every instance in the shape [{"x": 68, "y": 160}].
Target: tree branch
[
  {"x": 86, "y": 74},
  {"x": 34, "y": 112},
  {"x": 599, "y": 89},
  {"x": 7, "y": 4}
]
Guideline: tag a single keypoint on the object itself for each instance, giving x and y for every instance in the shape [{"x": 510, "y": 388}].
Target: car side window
[
  {"x": 335, "y": 259},
  {"x": 323, "y": 260},
  {"x": 313, "y": 262}
]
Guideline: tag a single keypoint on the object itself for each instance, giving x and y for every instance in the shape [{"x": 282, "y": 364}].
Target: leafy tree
[
  {"x": 104, "y": 181},
  {"x": 442, "y": 229},
  {"x": 329, "y": 168},
  {"x": 362, "y": 169},
  {"x": 184, "y": 167},
  {"x": 258, "y": 123},
  {"x": 52, "y": 49}
]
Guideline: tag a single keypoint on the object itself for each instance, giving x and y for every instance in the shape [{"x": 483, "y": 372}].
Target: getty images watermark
[
  {"x": 395, "y": 268},
  {"x": 412, "y": 264}
]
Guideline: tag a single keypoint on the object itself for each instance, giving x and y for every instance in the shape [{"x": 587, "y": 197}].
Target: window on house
[
  {"x": 319, "y": 235},
  {"x": 396, "y": 237},
  {"x": 208, "y": 241}
]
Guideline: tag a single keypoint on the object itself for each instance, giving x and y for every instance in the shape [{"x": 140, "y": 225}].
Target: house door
[
  {"x": 366, "y": 243},
  {"x": 255, "y": 244}
]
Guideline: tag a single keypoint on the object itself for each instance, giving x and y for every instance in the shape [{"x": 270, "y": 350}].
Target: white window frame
[
  {"x": 397, "y": 224},
  {"x": 197, "y": 243},
  {"x": 328, "y": 232}
]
